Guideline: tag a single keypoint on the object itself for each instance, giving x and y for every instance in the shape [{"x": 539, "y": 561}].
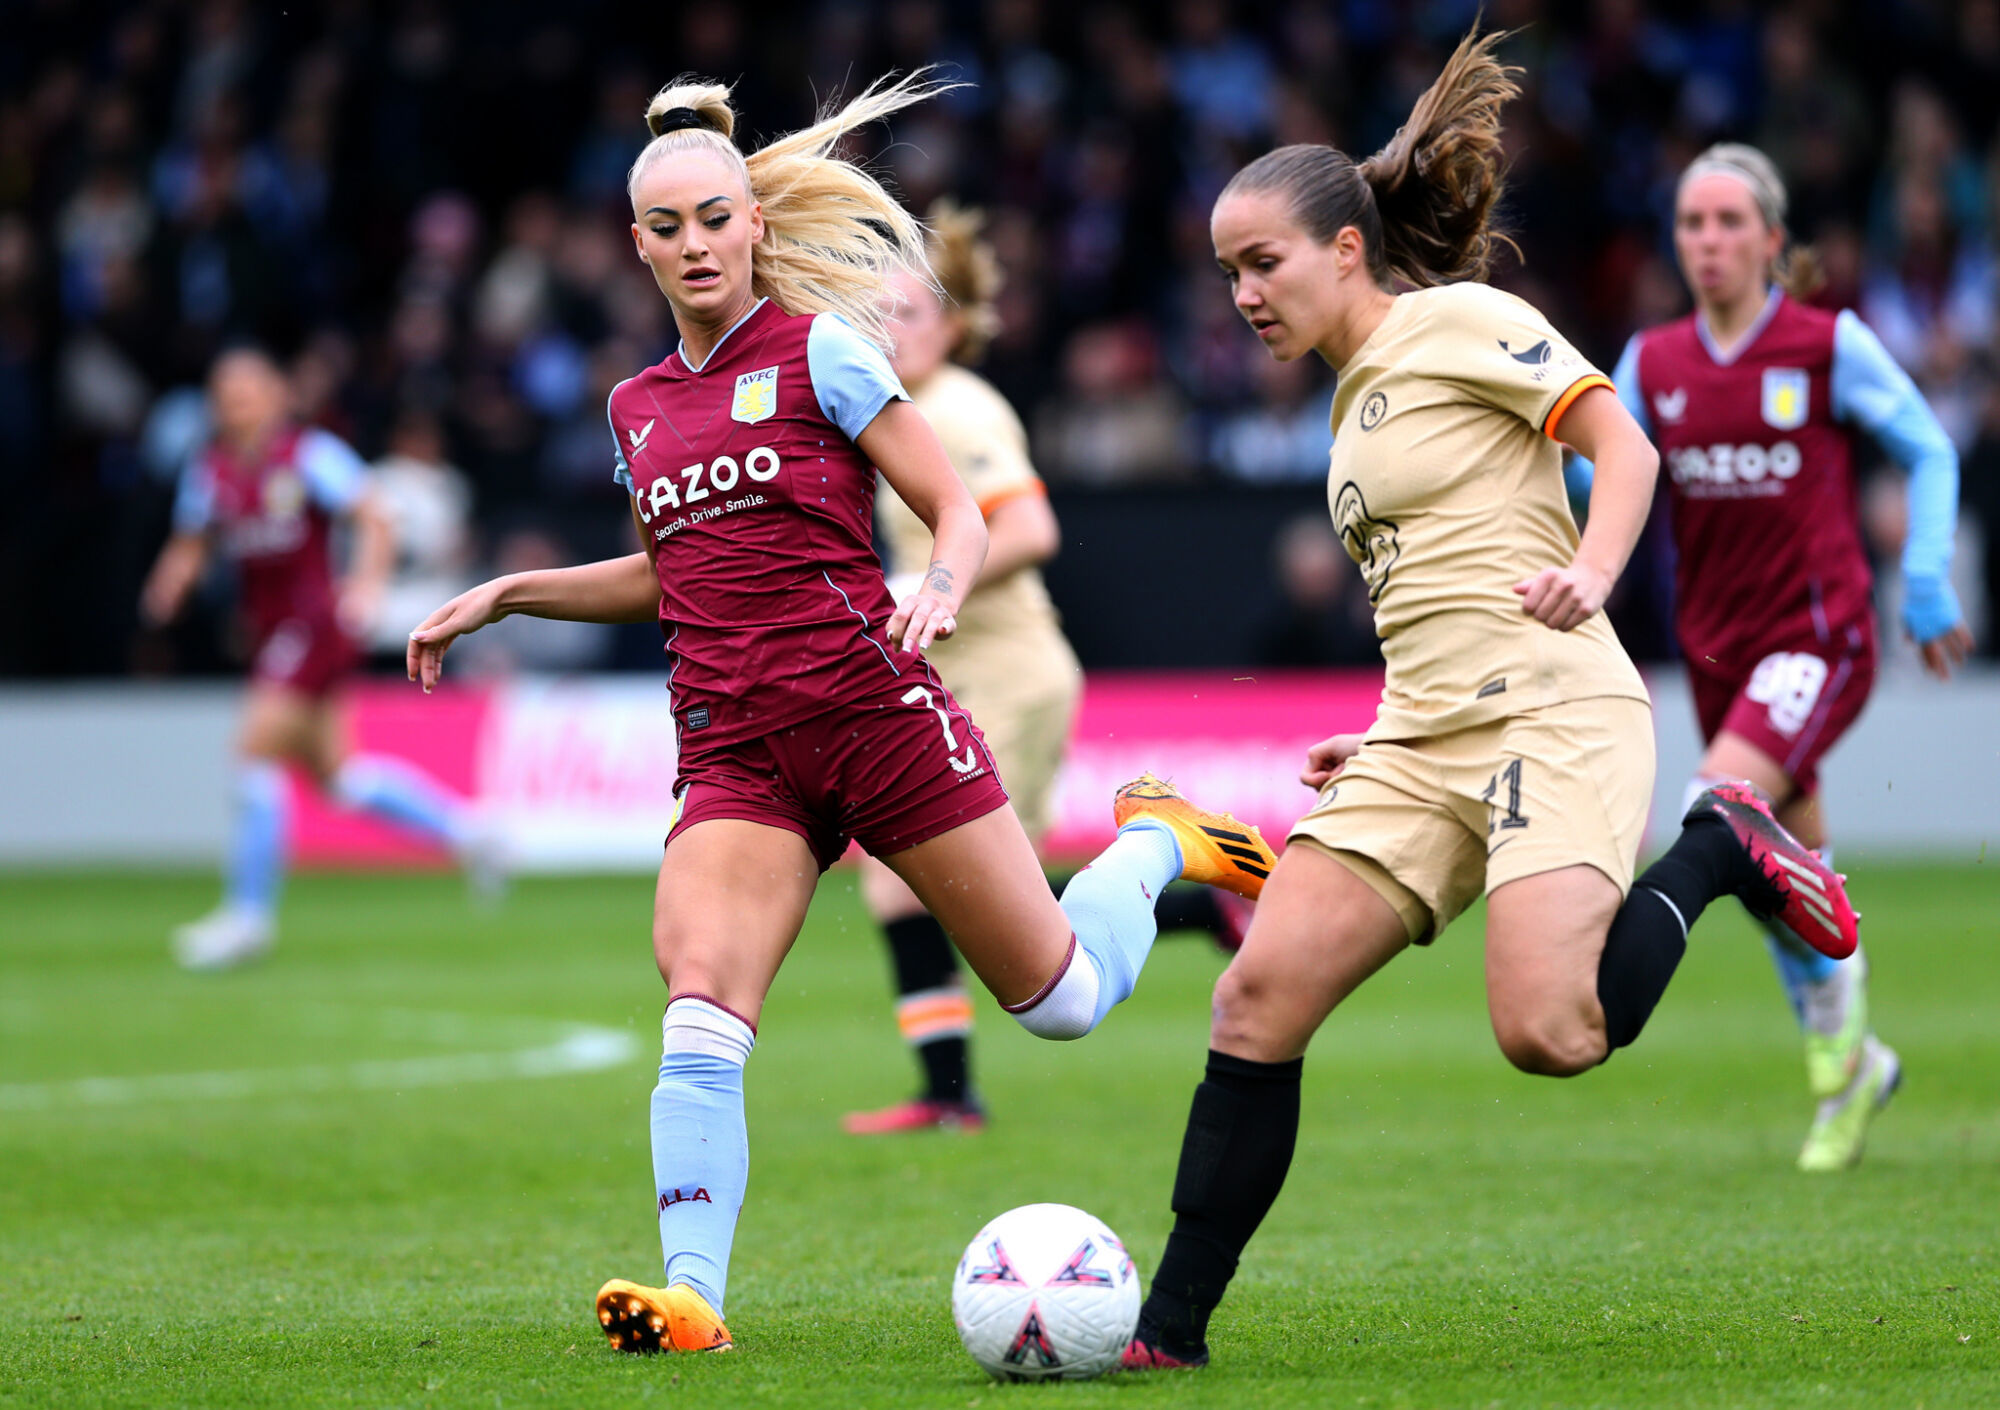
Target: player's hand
[
  {"x": 1563, "y": 598},
  {"x": 468, "y": 612},
  {"x": 1945, "y": 654},
  {"x": 1327, "y": 758},
  {"x": 922, "y": 619}
]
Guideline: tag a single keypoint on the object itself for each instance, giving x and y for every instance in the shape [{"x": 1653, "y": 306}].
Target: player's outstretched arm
[
  {"x": 613, "y": 590},
  {"x": 1603, "y": 431},
  {"x": 174, "y": 575},
  {"x": 374, "y": 556},
  {"x": 906, "y": 450}
]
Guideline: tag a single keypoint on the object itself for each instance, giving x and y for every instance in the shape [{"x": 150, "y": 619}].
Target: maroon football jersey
[
  {"x": 272, "y": 516},
  {"x": 1765, "y": 508},
  {"x": 760, "y": 512}
]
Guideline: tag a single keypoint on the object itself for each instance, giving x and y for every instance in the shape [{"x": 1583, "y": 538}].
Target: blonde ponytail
[
  {"x": 967, "y": 272},
  {"x": 832, "y": 233}
]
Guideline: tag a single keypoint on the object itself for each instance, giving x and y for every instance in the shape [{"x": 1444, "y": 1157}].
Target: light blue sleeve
[
  {"x": 335, "y": 476},
  {"x": 194, "y": 497},
  {"x": 1872, "y": 392},
  {"x": 1580, "y": 474},
  {"x": 622, "y": 471},
  {"x": 850, "y": 375}
]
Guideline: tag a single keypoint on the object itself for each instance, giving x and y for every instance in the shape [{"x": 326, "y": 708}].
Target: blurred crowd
[{"x": 420, "y": 208}]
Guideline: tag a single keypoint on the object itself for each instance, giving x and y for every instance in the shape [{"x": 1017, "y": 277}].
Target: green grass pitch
[{"x": 386, "y": 1192}]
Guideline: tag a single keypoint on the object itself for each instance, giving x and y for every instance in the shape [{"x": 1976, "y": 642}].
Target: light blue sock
[
  {"x": 255, "y": 869},
  {"x": 701, "y": 1148},
  {"x": 404, "y": 794},
  {"x": 1110, "y": 907},
  {"x": 1799, "y": 964}
]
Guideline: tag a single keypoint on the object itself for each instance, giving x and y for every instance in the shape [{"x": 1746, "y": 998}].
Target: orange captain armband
[
  {"x": 1000, "y": 497},
  {"x": 1568, "y": 398}
]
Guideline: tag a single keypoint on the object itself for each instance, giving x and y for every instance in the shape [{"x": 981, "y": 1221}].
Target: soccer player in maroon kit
[
  {"x": 805, "y": 711},
  {"x": 1755, "y": 401},
  {"x": 267, "y": 494}
]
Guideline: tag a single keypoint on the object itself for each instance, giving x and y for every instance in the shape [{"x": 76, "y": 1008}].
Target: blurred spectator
[
  {"x": 1117, "y": 424},
  {"x": 429, "y": 502},
  {"x": 1285, "y": 436},
  {"x": 1324, "y": 618}
]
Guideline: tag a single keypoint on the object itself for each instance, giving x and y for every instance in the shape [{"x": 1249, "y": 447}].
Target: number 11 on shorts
[
  {"x": 1511, "y": 776},
  {"x": 917, "y": 695}
]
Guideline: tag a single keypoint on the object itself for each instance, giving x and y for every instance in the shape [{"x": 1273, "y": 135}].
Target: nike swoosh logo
[{"x": 1501, "y": 843}]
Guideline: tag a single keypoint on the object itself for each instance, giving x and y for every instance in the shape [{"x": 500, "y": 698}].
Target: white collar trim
[
  {"x": 682, "y": 349},
  {"x": 1757, "y": 326}
]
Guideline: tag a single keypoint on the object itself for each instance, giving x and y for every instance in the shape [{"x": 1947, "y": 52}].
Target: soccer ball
[{"x": 1045, "y": 1292}]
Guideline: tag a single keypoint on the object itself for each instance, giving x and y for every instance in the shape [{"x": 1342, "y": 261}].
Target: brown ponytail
[{"x": 1424, "y": 203}]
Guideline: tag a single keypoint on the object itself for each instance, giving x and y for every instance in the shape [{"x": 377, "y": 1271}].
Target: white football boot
[{"x": 227, "y": 936}]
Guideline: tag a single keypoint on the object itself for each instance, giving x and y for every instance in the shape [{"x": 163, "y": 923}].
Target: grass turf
[{"x": 341, "y": 1220}]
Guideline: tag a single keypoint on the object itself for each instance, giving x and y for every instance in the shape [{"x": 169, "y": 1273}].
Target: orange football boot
[
  {"x": 644, "y": 1320},
  {"x": 1216, "y": 849}
]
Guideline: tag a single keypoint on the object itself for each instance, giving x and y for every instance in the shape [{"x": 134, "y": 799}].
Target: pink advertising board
[{"x": 580, "y": 772}]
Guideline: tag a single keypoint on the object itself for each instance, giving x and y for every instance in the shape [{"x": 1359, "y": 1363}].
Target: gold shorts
[
  {"x": 1433, "y": 823},
  {"x": 1023, "y": 697}
]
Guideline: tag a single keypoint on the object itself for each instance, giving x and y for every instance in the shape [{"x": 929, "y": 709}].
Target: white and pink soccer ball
[{"x": 1045, "y": 1292}]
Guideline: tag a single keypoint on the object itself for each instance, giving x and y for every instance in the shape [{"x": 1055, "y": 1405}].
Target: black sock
[
  {"x": 1649, "y": 934},
  {"x": 1240, "y": 1134},
  {"x": 924, "y": 960},
  {"x": 1186, "y": 906}
]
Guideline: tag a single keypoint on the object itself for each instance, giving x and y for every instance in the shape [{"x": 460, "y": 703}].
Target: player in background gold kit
[{"x": 1008, "y": 664}]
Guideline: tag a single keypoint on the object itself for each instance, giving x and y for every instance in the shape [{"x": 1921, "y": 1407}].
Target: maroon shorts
[
  {"x": 308, "y": 654},
  {"x": 888, "y": 773},
  {"x": 1796, "y": 702}
]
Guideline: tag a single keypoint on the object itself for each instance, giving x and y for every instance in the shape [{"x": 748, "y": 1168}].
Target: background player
[
  {"x": 1512, "y": 751},
  {"x": 1754, "y": 400},
  {"x": 1008, "y": 663},
  {"x": 268, "y": 494},
  {"x": 806, "y": 712}
]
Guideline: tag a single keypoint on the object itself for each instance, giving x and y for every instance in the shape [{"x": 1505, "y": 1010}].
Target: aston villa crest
[
  {"x": 1786, "y": 393},
  {"x": 756, "y": 396}
]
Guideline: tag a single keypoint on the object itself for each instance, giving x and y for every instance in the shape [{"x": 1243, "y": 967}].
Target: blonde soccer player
[
  {"x": 805, "y": 710},
  {"x": 1512, "y": 753}
]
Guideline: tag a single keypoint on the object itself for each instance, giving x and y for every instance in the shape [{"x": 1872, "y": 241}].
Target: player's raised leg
[
  {"x": 1317, "y": 933},
  {"x": 1060, "y": 968},
  {"x": 732, "y": 896}
]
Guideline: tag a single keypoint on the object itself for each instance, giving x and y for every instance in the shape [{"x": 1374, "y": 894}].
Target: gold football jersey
[{"x": 1446, "y": 486}]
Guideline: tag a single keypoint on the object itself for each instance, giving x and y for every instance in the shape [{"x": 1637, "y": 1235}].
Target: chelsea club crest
[
  {"x": 756, "y": 396},
  {"x": 1786, "y": 390}
]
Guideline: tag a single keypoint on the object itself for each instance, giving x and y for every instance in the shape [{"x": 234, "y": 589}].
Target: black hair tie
[{"x": 674, "y": 119}]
